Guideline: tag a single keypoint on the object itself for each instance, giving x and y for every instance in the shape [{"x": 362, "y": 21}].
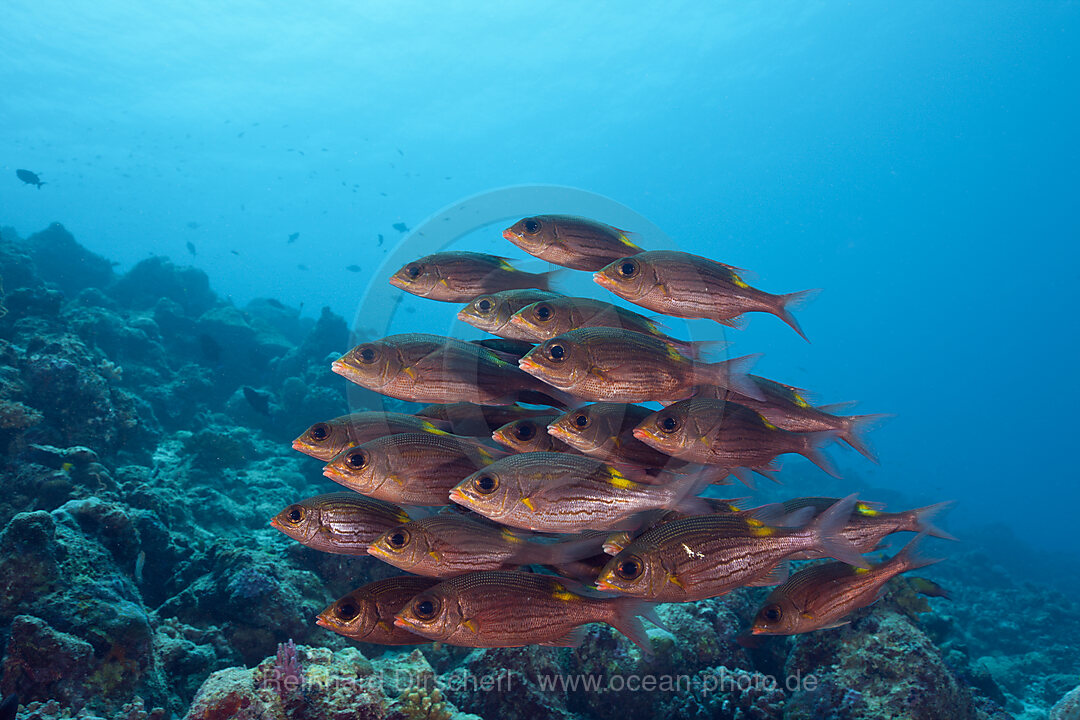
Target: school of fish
[{"x": 533, "y": 495}]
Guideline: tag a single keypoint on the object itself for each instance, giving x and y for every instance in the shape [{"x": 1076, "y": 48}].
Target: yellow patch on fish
[
  {"x": 396, "y": 478},
  {"x": 66, "y": 467},
  {"x": 627, "y": 242},
  {"x": 691, "y": 553},
  {"x": 428, "y": 427},
  {"x": 527, "y": 502},
  {"x": 471, "y": 625},
  {"x": 799, "y": 400},
  {"x": 561, "y": 593},
  {"x": 676, "y": 581},
  {"x": 410, "y": 371},
  {"x": 759, "y": 528},
  {"x": 435, "y": 555},
  {"x": 861, "y": 571},
  {"x": 384, "y": 626},
  {"x": 739, "y": 282},
  {"x": 866, "y": 510},
  {"x": 511, "y": 537},
  {"x": 403, "y": 517},
  {"x": 485, "y": 455},
  {"x": 674, "y": 354},
  {"x": 618, "y": 480},
  {"x": 507, "y": 266},
  {"x": 766, "y": 423}
]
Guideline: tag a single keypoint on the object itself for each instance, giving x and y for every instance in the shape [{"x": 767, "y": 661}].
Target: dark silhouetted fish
[
  {"x": 259, "y": 401},
  {"x": 380, "y": 241},
  {"x": 292, "y": 237},
  {"x": 29, "y": 178},
  {"x": 191, "y": 248},
  {"x": 401, "y": 227},
  {"x": 353, "y": 268}
]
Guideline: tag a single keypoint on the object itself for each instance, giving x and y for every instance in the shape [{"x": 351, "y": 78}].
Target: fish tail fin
[
  {"x": 813, "y": 450},
  {"x": 913, "y": 556},
  {"x": 856, "y": 427},
  {"x": 696, "y": 349},
  {"x": 626, "y": 618},
  {"x": 549, "y": 280},
  {"x": 791, "y": 301},
  {"x": 828, "y": 528},
  {"x": 734, "y": 374},
  {"x": 924, "y": 516}
]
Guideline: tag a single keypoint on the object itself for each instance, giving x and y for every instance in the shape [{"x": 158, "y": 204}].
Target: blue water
[{"x": 918, "y": 161}]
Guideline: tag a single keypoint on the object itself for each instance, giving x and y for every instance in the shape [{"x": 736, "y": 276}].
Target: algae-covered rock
[{"x": 63, "y": 261}]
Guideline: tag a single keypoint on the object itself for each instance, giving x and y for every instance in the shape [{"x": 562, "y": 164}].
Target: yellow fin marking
[
  {"x": 799, "y": 400},
  {"x": 866, "y": 510},
  {"x": 561, "y": 593},
  {"x": 471, "y": 625},
  {"x": 528, "y": 503},
  {"x": 507, "y": 266},
  {"x": 618, "y": 480},
  {"x": 762, "y": 531},
  {"x": 435, "y": 555},
  {"x": 511, "y": 537},
  {"x": 739, "y": 282},
  {"x": 66, "y": 467},
  {"x": 627, "y": 242},
  {"x": 861, "y": 571},
  {"x": 755, "y": 523},
  {"x": 410, "y": 371},
  {"x": 767, "y": 424},
  {"x": 382, "y": 625},
  {"x": 676, "y": 581},
  {"x": 428, "y": 427}
]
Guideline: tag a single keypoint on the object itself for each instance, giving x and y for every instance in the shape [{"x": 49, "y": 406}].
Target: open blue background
[{"x": 918, "y": 161}]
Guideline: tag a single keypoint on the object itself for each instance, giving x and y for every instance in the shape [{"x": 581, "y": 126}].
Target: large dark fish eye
[
  {"x": 531, "y": 225},
  {"x": 319, "y": 432},
  {"x": 398, "y": 539},
  {"x": 772, "y": 613},
  {"x": 525, "y": 431},
  {"x": 543, "y": 312},
  {"x": 426, "y": 609},
  {"x": 295, "y": 513},
  {"x": 628, "y": 268},
  {"x": 629, "y": 569},
  {"x": 581, "y": 420},
  {"x": 367, "y": 355},
  {"x": 556, "y": 352},
  {"x": 414, "y": 270},
  {"x": 668, "y": 423},
  {"x": 356, "y": 459},
  {"x": 484, "y": 305},
  {"x": 486, "y": 484},
  {"x": 346, "y": 610}
]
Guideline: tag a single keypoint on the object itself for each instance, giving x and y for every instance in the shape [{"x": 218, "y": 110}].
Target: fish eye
[
  {"x": 772, "y": 613},
  {"x": 581, "y": 420},
  {"x": 295, "y": 513},
  {"x": 426, "y": 609},
  {"x": 669, "y": 423},
  {"x": 414, "y": 270},
  {"x": 525, "y": 431},
  {"x": 628, "y": 268},
  {"x": 629, "y": 569},
  {"x": 486, "y": 484},
  {"x": 531, "y": 225},
  {"x": 319, "y": 432},
  {"x": 398, "y": 539},
  {"x": 543, "y": 312},
  {"x": 346, "y": 610},
  {"x": 367, "y": 355},
  {"x": 484, "y": 305},
  {"x": 555, "y": 352},
  {"x": 356, "y": 459}
]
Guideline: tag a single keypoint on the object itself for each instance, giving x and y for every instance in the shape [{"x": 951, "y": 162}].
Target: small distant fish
[
  {"x": 507, "y": 608},
  {"x": 400, "y": 153},
  {"x": 234, "y": 252},
  {"x": 367, "y": 613},
  {"x": 259, "y": 401},
  {"x": 29, "y": 178},
  {"x": 344, "y": 523},
  {"x": 293, "y": 237},
  {"x": 929, "y": 588},
  {"x": 690, "y": 286},
  {"x": 191, "y": 248},
  {"x": 353, "y": 268},
  {"x": 400, "y": 227},
  {"x": 463, "y": 276},
  {"x": 573, "y": 242},
  {"x": 821, "y": 596}
]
